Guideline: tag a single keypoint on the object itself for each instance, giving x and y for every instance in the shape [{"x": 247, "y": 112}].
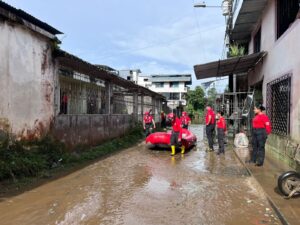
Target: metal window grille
[{"x": 278, "y": 104}]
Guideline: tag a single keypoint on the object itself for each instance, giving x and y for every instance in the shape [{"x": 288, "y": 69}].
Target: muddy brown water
[{"x": 142, "y": 186}]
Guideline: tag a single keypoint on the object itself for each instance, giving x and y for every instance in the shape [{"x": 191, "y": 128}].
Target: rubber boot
[
  {"x": 173, "y": 150},
  {"x": 182, "y": 149}
]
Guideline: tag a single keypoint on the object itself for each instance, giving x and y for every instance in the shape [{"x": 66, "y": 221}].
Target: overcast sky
[{"x": 156, "y": 36}]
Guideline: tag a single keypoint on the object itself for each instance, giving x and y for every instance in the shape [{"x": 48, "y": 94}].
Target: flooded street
[{"x": 142, "y": 186}]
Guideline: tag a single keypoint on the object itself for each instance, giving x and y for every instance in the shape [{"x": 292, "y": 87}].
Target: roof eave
[
  {"x": 19, "y": 16},
  {"x": 247, "y": 17},
  {"x": 73, "y": 62}
]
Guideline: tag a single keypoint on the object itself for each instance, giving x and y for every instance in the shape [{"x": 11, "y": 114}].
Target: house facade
[
  {"x": 174, "y": 87},
  {"x": 275, "y": 30},
  {"x": 269, "y": 72},
  {"x": 27, "y": 72},
  {"x": 47, "y": 91}
]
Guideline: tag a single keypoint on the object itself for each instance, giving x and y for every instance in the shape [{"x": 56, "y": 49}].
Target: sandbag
[{"x": 241, "y": 140}]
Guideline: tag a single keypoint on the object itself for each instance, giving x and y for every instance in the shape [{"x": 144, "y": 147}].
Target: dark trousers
[
  {"x": 63, "y": 108},
  {"x": 163, "y": 123},
  {"x": 209, "y": 133},
  {"x": 148, "y": 127},
  {"x": 185, "y": 126},
  {"x": 174, "y": 138},
  {"x": 259, "y": 137},
  {"x": 221, "y": 136}
]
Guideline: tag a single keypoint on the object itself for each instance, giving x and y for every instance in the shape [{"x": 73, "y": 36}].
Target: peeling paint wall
[
  {"x": 27, "y": 81},
  {"x": 89, "y": 130}
]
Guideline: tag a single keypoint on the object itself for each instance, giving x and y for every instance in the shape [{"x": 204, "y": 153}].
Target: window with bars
[
  {"x": 278, "y": 104},
  {"x": 286, "y": 14}
]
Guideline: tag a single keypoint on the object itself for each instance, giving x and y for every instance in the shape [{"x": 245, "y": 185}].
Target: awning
[
  {"x": 229, "y": 66},
  {"x": 245, "y": 17}
]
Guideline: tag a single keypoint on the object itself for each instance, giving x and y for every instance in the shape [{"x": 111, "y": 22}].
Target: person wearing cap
[
  {"x": 185, "y": 120},
  {"x": 176, "y": 133},
  {"x": 210, "y": 126},
  {"x": 148, "y": 123},
  {"x": 221, "y": 125},
  {"x": 261, "y": 128}
]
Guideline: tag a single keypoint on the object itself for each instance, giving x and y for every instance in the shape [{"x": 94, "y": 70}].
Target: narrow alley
[{"x": 143, "y": 186}]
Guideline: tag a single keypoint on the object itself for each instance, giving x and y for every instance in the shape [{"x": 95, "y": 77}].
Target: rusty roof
[
  {"x": 229, "y": 66},
  {"x": 73, "y": 62},
  {"x": 8, "y": 11}
]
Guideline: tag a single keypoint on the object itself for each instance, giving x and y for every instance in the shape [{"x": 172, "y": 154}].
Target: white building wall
[
  {"x": 27, "y": 82},
  {"x": 283, "y": 57},
  {"x": 167, "y": 89}
]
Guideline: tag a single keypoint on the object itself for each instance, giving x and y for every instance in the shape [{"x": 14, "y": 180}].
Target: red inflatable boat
[{"x": 163, "y": 138}]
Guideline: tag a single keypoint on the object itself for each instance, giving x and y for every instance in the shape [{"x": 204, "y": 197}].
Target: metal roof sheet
[
  {"x": 20, "y": 14},
  {"x": 73, "y": 62},
  {"x": 246, "y": 18},
  {"x": 229, "y": 66}
]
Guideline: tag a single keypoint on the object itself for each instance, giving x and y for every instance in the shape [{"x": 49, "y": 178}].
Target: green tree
[
  {"x": 195, "y": 99},
  {"x": 211, "y": 96}
]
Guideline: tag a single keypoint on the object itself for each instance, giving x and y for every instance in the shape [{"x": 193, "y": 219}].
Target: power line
[{"x": 166, "y": 43}]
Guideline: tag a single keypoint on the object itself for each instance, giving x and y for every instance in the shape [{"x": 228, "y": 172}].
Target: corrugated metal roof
[
  {"x": 228, "y": 66},
  {"x": 20, "y": 14},
  {"x": 246, "y": 18},
  {"x": 73, "y": 62}
]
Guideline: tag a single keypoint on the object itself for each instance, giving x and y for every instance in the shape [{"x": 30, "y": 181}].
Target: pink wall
[{"x": 283, "y": 57}]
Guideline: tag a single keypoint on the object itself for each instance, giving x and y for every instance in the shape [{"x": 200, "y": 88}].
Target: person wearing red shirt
[
  {"x": 221, "y": 125},
  {"x": 261, "y": 128},
  {"x": 64, "y": 103},
  {"x": 210, "y": 126},
  {"x": 148, "y": 123},
  {"x": 185, "y": 120},
  {"x": 176, "y": 133}
]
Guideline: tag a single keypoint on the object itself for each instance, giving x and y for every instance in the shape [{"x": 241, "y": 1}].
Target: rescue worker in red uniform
[
  {"x": 221, "y": 126},
  {"x": 148, "y": 123},
  {"x": 261, "y": 128},
  {"x": 210, "y": 126},
  {"x": 176, "y": 133},
  {"x": 185, "y": 120}
]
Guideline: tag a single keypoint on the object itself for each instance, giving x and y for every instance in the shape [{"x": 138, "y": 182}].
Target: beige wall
[
  {"x": 283, "y": 57},
  {"x": 27, "y": 81}
]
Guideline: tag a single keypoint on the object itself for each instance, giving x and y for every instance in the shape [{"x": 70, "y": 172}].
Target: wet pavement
[
  {"x": 267, "y": 177},
  {"x": 142, "y": 186}
]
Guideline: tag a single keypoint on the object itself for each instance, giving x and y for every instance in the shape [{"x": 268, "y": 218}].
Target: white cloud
[{"x": 182, "y": 42}]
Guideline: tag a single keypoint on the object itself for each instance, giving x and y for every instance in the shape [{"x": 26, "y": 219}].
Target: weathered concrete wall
[
  {"x": 283, "y": 58},
  {"x": 27, "y": 81},
  {"x": 76, "y": 130}
]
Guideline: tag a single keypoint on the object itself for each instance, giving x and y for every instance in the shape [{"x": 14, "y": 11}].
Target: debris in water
[
  {"x": 51, "y": 211},
  {"x": 83, "y": 216}
]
